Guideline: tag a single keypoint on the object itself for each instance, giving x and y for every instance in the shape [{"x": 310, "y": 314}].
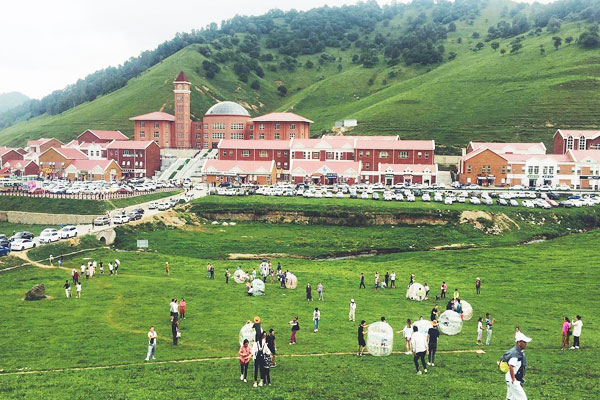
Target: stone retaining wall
[{"x": 20, "y": 217}]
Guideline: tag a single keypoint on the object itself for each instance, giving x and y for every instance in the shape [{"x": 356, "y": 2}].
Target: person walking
[
  {"x": 478, "y": 285},
  {"x": 152, "y": 337},
  {"x": 361, "y": 338},
  {"x": 259, "y": 349},
  {"x": 75, "y": 276},
  {"x": 174, "y": 327},
  {"x": 320, "y": 291},
  {"x": 456, "y": 294},
  {"x": 418, "y": 343},
  {"x": 51, "y": 259},
  {"x": 257, "y": 329},
  {"x": 167, "y": 268},
  {"x": 393, "y": 280},
  {"x": 352, "y": 314},
  {"x": 407, "y": 333},
  {"x": 517, "y": 364},
  {"x": 434, "y": 313},
  {"x": 78, "y": 289},
  {"x": 82, "y": 268},
  {"x": 479, "y": 330},
  {"x": 386, "y": 279},
  {"x": 295, "y": 328},
  {"x": 212, "y": 272},
  {"x": 566, "y": 332},
  {"x": 432, "y": 337},
  {"x": 577, "y": 326},
  {"x": 60, "y": 261},
  {"x": 101, "y": 268},
  {"x": 443, "y": 291},
  {"x": 488, "y": 326},
  {"x": 272, "y": 346},
  {"x": 245, "y": 354},
  {"x": 227, "y": 275},
  {"x": 376, "y": 280},
  {"x": 362, "y": 281},
  {"x": 182, "y": 308},
  {"x": 308, "y": 292},
  {"x": 110, "y": 267},
  {"x": 426, "y": 287},
  {"x": 117, "y": 265},
  {"x": 412, "y": 280},
  {"x": 316, "y": 318},
  {"x": 67, "y": 288}
]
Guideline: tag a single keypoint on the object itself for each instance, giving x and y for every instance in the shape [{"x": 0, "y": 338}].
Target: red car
[{"x": 37, "y": 191}]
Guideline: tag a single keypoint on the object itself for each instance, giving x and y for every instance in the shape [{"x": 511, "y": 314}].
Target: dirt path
[
  {"x": 23, "y": 255},
  {"x": 207, "y": 359}
]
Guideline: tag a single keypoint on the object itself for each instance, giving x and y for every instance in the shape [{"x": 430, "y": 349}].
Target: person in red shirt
[
  {"x": 182, "y": 309},
  {"x": 245, "y": 354}
]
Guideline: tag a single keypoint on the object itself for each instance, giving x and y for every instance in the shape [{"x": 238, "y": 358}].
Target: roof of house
[
  {"x": 481, "y": 150},
  {"x": 254, "y": 144},
  {"x": 129, "y": 144},
  {"x": 17, "y": 163},
  {"x": 181, "y": 77},
  {"x": 107, "y": 135},
  {"x": 69, "y": 153},
  {"x": 233, "y": 167},
  {"x": 315, "y": 167},
  {"x": 40, "y": 141},
  {"x": 154, "y": 116},
  {"x": 227, "y": 108},
  {"x": 329, "y": 143},
  {"x": 408, "y": 168},
  {"x": 581, "y": 155},
  {"x": 395, "y": 144},
  {"x": 281, "y": 117},
  {"x": 4, "y": 150},
  {"x": 530, "y": 148},
  {"x": 589, "y": 134},
  {"x": 364, "y": 137},
  {"x": 88, "y": 165},
  {"x": 512, "y": 158}
]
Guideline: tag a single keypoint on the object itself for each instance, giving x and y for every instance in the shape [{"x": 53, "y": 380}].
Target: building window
[
  {"x": 156, "y": 134},
  {"x": 237, "y": 135},
  {"x": 285, "y": 153},
  {"x": 293, "y": 135},
  {"x": 179, "y": 126},
  {"x": 263, "y": 154},
  {"x": 426, "y": 155},
  {"x": 277, "y": 136},
  {"x": 231, "y": 152},
  {"x": 419, "y": 154},
  {"x": 224, "y": 153},
  {"x": 278, "y": 154},
  {"x": 142, "y": 124},
  {"x": 205, "y": 126},
  {"x": 536, "y": 170},
  {"x": 403, "y": 154},
  {"x": 237, "y": 126},
  {"x": 179, "y": 134},
  {"x": 483, "y": 169},
  {"x": 329, "y": 155},
  {"x": 245, "y": 153},
  {"x": 251, "y": 127},
  {"x": 545, "y": 171},
  {"x": 315, "y": 155},
  {"x": 198, "y": 136},
  {"x": 262, "y": 135},
  {"x": 367, "y": 166},
  {"x": 360, "y": 153},
  {"x": 550, "y": 170},
  {"x": 277, "y": 126},
  {"x": 251, "y": 136},
  {"x": 469, "y": 168},
  {"x": 261, "y": 126},
  {"x": 530, "y": 170},
  {"x": 368, "y": 153},
  {"x": 489, "y": 169},
  {"x": 142, "y": 134},
  {"x": 180, "y": 144},
  {"x": 292, "y": 126},
  {"x": 218, "y": 125},
  {"x": 570, "y": 143},
  {"x": 278, "y": 165},
  {"x": 156, "y": 125},
  {"x": 206, "y": 136},
  {"x": 218, "y": 135},
  {"x": 205, "y": 145},
  {"x": 503, "y": 169},
  {"x": 582, "y": 143},
  {"x": 179, "y": 99},
  {"x": 383, "y": 154}
]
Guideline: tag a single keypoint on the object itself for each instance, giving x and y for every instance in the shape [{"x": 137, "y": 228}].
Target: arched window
[
  {"x": 570, "y": 143},
  {"x": 582, "y": 143}
]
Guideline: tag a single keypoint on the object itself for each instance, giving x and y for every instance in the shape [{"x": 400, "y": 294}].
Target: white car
[
  {"x": 410, "y": 197},
  {"x": 388, "y": 196},
  {"x": 461, "y": 199},
  {"x": 163, "y": 206},
  {"x": 49, "y": 235},
  {"x": 487, "y": 201},
  {"x": 426, "y": 197},
  {"x": 120, "y": 219},
  {"x": 399, "y": 197},
  {"x": 339, "y": 195},
  {"x": 528, "y": 204},
  {"x": 564, "y": 187},
  {"x": 474, "y": 200},
  {"x": 517, "y": 187},
  {"x": 438, "y": 197},
  {"x": 22, "y": 244},
  {"x": 152, "y": 206},
  {"x": 328, "y": 195},
  {"x": 513, "y": 203},
  {"x": 375, "y": 196},
  {"x": 448, "y": 200},
  {"x": 68, "y": 231},
  {"x": 364, "y": 195},
  {"x": 318, "y": 195}
]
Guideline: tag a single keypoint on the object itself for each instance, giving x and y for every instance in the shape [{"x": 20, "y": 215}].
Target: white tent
[
  {"x": 239, "y": 276},
  {"x": 258, "y": 287},
  {"x": 467, "y": 310},
  {"x": 423, "y": 325},
  {"x": 380, "y": 339},
  {"x": 291, "y": 282},
  {"x": 247, "y": 333},
  {"x": 416, "y": 292},
  {"x": 450, "y": 322}
]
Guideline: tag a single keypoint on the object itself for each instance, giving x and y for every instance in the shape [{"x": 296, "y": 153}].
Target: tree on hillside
[
  {"x": 557, "y": 41},
  {"x": 568, "y": 40},
  {"x": 210, "y": 68},
  {"x": 516, "y": 46},
  {"x": 255, "y": 85},
  {"x": 282, "y": 90},
  {"x": 451, "y": 56},
  {"x": 475, "y": 35},
  {"x": 553, "y": 25},
  {"x": 479, "y": 46},
  {"x": 451, "y": 27},
  {"x": 542, "y": 50},
  {"x": 309, "y": 64},
  {"x": 502, "y": 51},
  {"x": 494, "y": 45},
  {"x": 339, "y": 67},
  {"x": 590, "y": 38}
]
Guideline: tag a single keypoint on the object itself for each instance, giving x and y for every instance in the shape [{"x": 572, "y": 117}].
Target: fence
[{"x": 12, "y": 191}]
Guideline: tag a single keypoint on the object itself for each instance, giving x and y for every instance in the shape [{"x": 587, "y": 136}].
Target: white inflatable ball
[
  {"x": 467, "y": 310},
  {"x": 380, "y": 339},
  {"x": 239, "y": 276},
  {"x": 232, "y": 223},
  {"x": 415, "y": 292},
  {"x": 258, "y": 287},
  {"x": 247, "y": 333},
  {"x": 225, "y": 223},
  {"x": 291, "y": 282},
  {"x": 215, "y": 222},
  {"x": 423, "y": 325},
  {"x": 450, "y": 322}
]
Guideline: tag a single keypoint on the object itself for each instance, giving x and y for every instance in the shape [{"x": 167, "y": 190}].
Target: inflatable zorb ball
[
  {"x": 450, "y": 322},
  {"x": 258, "y": 287},
  {"x": 467, "y": 310},
  {"x": 380, "y": 339},
  {"x": 247, "y": 333},
  {"x": 264, "y": 269},
  {"x": 423, "y": 325},
  {"x": 416, "y": 292},
  {"x": 291, "y": 282},
  {"x": 239, "y": 276}
]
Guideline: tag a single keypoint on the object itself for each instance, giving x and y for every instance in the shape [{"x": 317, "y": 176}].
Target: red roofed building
[
  {"x": 263, "y": 150},
  {"x": 565, "y": 140},
  {"x": 155, "y": 126},
  {"x": 96, "y": 136},
  {"x": 7, "y": 154},
  {"x": 509, "y": 148},
  {"x": 325, "y": 173},
  {"x": 257, "y": 172},
  {"x": 55, "y": 160},
  {"x": 135, "y": 158},
  {"x": 41, "y": 145},
  {"x": 21, "y": 167},
  {"x": 280, "y": 126},
  {"x": 392, "y": 174},
  {"x": 93, "y": 170}
]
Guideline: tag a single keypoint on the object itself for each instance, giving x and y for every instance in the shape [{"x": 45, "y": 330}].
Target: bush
[
  {"x": 282, "y": 90},
  {"x": 255, "y": 85}
]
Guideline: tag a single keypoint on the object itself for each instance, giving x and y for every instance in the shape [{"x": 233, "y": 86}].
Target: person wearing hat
[
  {"x": 478, "y": 286},
  {"x": 517, "y": 363},
  {"x": 352, "y": 314},
  {"x": 432, "y": 337},
  {"x": 257, "y": 329}
]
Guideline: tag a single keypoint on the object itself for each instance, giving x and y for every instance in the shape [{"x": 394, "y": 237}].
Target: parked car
[
  {"x": 133, "y": 216},
  {"x": 103, "y": 220},
  {"x": 513, "y": 203},
  {"x": 426, "y": 197},
  {"x": 68, "y": 231},
  {"x": 4, "y": 242},
  {"x": 120, "y": 219},
  {"x": 163, "y": 206},
  {"x": 502, "y": 202},
  {"x": 22, "y": 244},
  {"x": 22, "y": 235},
  {"x": 364, "y": 195},
  {"x": 375, "y": 196},
  {"x": 49, "y": 236},
  {"x": 152, "y": 206},
  {"x": 339, "y": 195},
  {"x": 4, "y": 251},
  {"x": 528, "y": 204},
  {"x": 474, "y": 200}
]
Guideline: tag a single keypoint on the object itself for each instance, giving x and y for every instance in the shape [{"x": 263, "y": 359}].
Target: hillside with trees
[{"x": 452, "y": 71}]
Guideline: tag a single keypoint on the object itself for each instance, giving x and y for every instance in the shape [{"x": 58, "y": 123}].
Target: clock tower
[{"x": 181, "y": 138}]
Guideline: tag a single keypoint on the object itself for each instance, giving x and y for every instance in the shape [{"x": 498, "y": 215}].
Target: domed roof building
[{"x": 227, "y": 108}]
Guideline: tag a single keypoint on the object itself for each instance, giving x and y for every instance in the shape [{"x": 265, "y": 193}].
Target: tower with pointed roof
[{"x": 182, "y": 134}]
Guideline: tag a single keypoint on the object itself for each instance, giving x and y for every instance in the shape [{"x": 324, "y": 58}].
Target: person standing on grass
[
  {"x": 272, "y": 346},
  {"x": 456, "y": 294},
  {"x": 434, "y": 313},
  {"x": 259, "y": 349},
  {"x": 152, "y": 337},
  {"x": 245, "y": 354},
  {"x": 426, "y": 287},
  {"x": 479, "y": 330},
  {"x": 362, "y": 281},
  {"x": 376, "y": 280},
  {"x": 412, "y": 280},
  {"x": 182, "y": 308},
  {"x": 386, "y": 278},
  {"x": 82, "y": 268},
  {"x": 226, "y": 275},
  {"x": 488, "y": 326},
  {"x": 173, "y": 309},
  {"x": 167, "y": 268},
  {"x": 577, "y": 326},
  {"x": 87, "y": 273},
  {"x": 308, "y": 292},
  {"x": 418, "y": 343},
  {"x": 320, "y": 291},
  {"x": 75, "y": 276},
  {"x": 253, "y": 273},
  {"x": 444, "y": 288},
  {"x": 295, "y": 328},
  {"x": 212, "y": 272},
  {"x": 393, "y": 280},
  {"x": 478, "y": 285},
  {"x": 67, "y": 288},
  {"x": 110, "y": 268},
  {"x": 174, "y": 328},
  {"x": 517, "y": 363},
  {"x": 257, "y": 329},
  {"x": 432, "y": 337},
  {"x": 117, "y": 265},
  {"x": 361, "y": 338},
  {"x": 101, "y": 268},
  {"x": 316, "y": 318},
  {"x": 51, "y": 259},
  {"x": 352, "y": 314},
  {"x": 78, "y": 288},
  {"x": 407, "y": 333},
  {"x": 459, "y": 308},
  {"x": 566, "y": 332}
]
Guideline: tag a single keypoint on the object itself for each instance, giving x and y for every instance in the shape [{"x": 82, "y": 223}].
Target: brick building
[
  {"x": 262, "y": 150},
  {"x": 565, "y": 140},
  {"x": 97, "y": 136},
  {"x": 155, "y": 126},
  {"x": 21, "y": 167},
  {"x": 325, "y": 172},
  {"x": 41, "y": 145},
  {"x": 55, "y": 160},
  {"x": 224, "y": 120},
  {"x": 8, "y": 153},
  {"x": 135, "y": 158},
  {"x": 280, "y": 126}
]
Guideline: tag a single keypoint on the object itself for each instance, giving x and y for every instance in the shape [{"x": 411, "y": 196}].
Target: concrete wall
[{"x": 19, "y": 217}]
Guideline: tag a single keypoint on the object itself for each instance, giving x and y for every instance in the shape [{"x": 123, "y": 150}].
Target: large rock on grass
[{"x": 37, "y": 292}]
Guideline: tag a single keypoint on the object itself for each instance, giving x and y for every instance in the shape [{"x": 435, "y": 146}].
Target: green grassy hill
[{"x": 479, "y": 95}]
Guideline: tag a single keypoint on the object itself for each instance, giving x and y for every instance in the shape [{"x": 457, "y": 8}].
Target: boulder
[{"x": 37, "y": 292}]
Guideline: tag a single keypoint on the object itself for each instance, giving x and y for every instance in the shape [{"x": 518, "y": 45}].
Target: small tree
[
  {"x": 339, "y": 67},
  {"x": 553, "y": 25},
  {"x": 494, "y": 45},
  {"x": 282, "y": 90},
  {"x": 475, "y": 35},
  {"x": 309, "y": 64},
  {"x": 542, "y": 50},
  {"x": 516, "y": 47},
  {"x": 451, "y": 56},
  {"x": 255, "y": 85},
  {"x": 459, "y": 40},
  {"x": 568, "y": 40},
  {"x": 479, "y": 46},
  {"x": 502, "y": 51},
  {"x": 557, "y": 42}
]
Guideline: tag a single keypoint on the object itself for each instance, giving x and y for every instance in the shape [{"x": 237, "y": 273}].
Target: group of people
[
  {"x": 88, "y": 270},
  {"x": 177, "y": 312},
  {"x": 571, "y": 329},
  {"x": 262, "y": 352},
  {"x": 309, "y": 291}
]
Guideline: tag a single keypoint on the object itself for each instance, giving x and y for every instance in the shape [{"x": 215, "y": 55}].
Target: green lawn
[
  {"x": 8, "y": 228},
  {"x": 130, "y": 201},
  {"x": 530, "y": 286}
]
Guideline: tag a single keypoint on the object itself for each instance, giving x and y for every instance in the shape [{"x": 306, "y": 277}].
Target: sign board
[
  {"x": 142, "y": 244},
  {"x": 332, "y": 175}
]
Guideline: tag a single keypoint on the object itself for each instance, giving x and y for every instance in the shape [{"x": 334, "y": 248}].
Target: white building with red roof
[
  {"x": 93, "y": 170},
  {"x": 325, "y": 172},
  {"x": 567, "y": 139},
  {"x": 509, "y": 148},
  {"x": 98, "y": 136},
  {"x": 235, "y": 171}
]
